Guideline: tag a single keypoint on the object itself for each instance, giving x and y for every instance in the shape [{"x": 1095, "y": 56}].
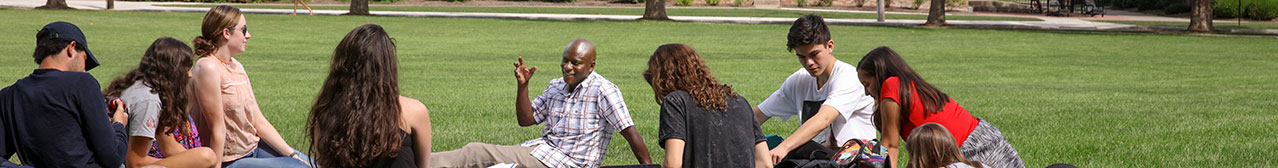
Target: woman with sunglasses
[{"x": 223, "y": 100}]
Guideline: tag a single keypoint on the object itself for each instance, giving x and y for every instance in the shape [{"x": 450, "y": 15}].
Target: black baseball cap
[{"x": 67, "y": 31}]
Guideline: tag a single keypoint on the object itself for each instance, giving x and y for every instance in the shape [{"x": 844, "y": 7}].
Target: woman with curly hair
[
  {"x": 155, "y": 97},
  {"x": 703, "y": 122},
  {"x": 359, "y": 119}
]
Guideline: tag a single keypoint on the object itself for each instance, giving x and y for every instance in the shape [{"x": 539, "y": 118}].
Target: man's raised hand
[{"x": 522, "y": 72}]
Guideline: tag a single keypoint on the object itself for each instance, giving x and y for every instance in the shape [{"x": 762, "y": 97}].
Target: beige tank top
[{"x": 239, "y": 106}]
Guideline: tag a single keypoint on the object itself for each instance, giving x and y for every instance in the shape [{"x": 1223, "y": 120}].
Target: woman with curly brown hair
[
  {"x": 359, "y": 119},
  {"x": 703, "y": 122},
  {"x": 155, "y": 97}
]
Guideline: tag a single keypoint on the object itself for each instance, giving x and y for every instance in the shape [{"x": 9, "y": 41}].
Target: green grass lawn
[
  {"x": 633, "y": 11},
  {"x": 1088, "y": 99},
  {"x": 1218, "y": 24}
]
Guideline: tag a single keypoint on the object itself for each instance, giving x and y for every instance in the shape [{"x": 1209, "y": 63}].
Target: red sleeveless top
[{"x": 952, "y": 116}]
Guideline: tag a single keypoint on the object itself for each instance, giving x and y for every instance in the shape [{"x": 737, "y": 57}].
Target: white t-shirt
[{"x": 843, "y": 91}]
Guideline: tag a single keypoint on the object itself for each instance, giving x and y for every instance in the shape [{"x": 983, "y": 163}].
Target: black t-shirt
[
  {"x": 55, "y": 118},
  {"x": 712, "y": 138}
]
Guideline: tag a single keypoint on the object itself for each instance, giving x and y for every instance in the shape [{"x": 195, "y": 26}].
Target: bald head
[
  {"x": 580, "y": 48},
  {"x": 578, "y": 62}
]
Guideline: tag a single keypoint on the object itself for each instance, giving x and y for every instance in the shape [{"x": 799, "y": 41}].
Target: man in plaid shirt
[{"x": 581, "y": 111}]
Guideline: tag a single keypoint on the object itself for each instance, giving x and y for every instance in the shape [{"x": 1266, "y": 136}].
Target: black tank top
[{"x": 405, "y": 158}]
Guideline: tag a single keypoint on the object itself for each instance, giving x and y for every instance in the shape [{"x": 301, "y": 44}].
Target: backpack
[{"x": 862, "y": 153}]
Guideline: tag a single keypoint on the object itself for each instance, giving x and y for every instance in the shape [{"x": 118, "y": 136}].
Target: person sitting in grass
[
  {"x": 931, "y": 146},
  {"x": 581, "y": 111},
  {"x": 231, "y": 122},
  {"x": 906, "y": 100},
  {"x": 703, "y": 122},
  {"x": 155, "y": 94},
  {"x": 359, "y": 118},
  {"x": 57, "y": 117},
  {"x": 832, "y": 105}
]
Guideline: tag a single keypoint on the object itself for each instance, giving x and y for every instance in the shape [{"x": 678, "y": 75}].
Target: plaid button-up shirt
[{"x": 579, "y": 124}]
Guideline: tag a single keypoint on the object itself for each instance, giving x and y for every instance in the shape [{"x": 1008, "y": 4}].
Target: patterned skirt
[{"x": 987, "y": 145}]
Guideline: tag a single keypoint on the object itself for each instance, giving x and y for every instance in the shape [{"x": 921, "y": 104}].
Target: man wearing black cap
[{"x": 57, "y": 117}]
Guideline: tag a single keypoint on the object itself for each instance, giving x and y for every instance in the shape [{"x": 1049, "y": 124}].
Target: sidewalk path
[{"x": 1048, "y": 23}]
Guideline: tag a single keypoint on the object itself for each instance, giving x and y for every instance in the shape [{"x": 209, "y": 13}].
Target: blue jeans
[{"x": 265, "y": 156}]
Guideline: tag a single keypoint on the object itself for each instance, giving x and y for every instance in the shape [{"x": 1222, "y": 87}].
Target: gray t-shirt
[{"x": 143, "y": 108}]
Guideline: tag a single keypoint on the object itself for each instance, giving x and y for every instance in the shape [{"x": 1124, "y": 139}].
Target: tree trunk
[
  {"x": 936, "y": 14},
  {"x": 654, "y": 10},
  {"x": 879, "y": 10},
  {"x": 1200, "y": 16},
  {"x": 110, "y": 4},
  {"x": 359, "y": 7},
  {"x": 55, "y": 4}
]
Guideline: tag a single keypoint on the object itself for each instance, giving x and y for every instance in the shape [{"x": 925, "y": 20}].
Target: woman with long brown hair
[
  {"x": 906, "y": 101},
  {"x": 703, "y": 122},
  {"x": 932, "y": 146},
  {"x": 359, "y": 118},
  {"x": 223, "y": 101},
  {"x": 155, "y": 96}
]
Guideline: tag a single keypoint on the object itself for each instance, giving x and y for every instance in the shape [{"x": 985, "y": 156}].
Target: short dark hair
[
  {"x": 809, "y": 29},
  {"x": 49, "y": 47}
]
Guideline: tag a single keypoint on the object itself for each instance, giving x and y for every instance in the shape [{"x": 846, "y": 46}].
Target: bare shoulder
[
  {"x": 414, "y": 116},
  {"x": 204, "y": 67},
  {"x": 412, "y": 108}
]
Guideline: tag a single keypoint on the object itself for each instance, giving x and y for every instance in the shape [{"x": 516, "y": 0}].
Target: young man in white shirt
[{"x": 826, "y": 94}]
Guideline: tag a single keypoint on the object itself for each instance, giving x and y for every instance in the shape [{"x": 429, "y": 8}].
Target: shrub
[
  {"x": 683, "y": 2},
  {"x": 802, "y": 3},
  {"x": 918, "y": 3},
  {"x": 1123, "y": 4},
  {"x": 826, "y": 3},
  {"x": 1251, "y": 9},
  {"x": 712, "y": 2},
  {"x": 1262, "y": 11},
  {"x": 1225, "y": 9},
  {"x": 1151, "y": 4},
  {"x": 738, "y": 3},
  {"x": 1176, "y": 9}
]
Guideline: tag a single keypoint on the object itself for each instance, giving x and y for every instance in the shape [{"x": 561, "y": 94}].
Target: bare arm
[
  {"x": 417, "y": 117},
  {"x": 168, "y": 144},
  {"x": 891, "y": 128},
  {"x": 209, "y": 92},
  {"x": 179, "y": 156},
  {"x": 636, "y": 145},
  {"x": 674, "y": 153},
  {"x": 759, "y": 117},
  {"x": 805, "y": 133},
  {"x": 136, "y": 156},
  {"x": 761, "y": 159},
  {"x": 523, "y": 107}
]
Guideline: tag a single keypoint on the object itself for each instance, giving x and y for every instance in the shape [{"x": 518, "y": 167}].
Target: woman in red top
[{"x": 906, "y": 101}]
